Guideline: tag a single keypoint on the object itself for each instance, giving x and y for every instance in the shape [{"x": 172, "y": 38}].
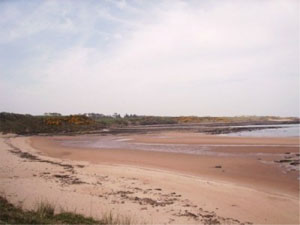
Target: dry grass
[
  {"x": 110, "y": 218},
  {"x": 44, "y": 213}
]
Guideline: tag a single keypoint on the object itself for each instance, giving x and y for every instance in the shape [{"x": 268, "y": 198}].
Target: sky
[{"x": 150, "y": 57}]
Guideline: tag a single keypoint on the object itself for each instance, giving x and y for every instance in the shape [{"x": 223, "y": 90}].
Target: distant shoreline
[
  {"x": 206, "y": 128},
  {"x": 98, "y": 123}
]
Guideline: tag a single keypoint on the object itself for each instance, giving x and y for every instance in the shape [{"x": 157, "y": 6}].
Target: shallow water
[{"x": 288, "y": 130}]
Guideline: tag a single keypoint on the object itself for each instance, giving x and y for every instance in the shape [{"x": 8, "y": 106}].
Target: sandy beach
[
  {"x": 233, "y": 180},
  {"x": 150, "y": 112}
]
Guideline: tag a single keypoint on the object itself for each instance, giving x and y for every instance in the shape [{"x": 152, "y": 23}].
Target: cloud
[{"x": 172, "y": 58}]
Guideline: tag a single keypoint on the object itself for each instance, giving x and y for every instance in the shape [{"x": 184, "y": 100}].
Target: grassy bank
[
  {"x": 28, "y": 124},
  {"x": 45, "y": 214}
]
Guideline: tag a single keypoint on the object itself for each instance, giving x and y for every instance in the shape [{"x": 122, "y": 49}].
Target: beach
[
  {"x": 150, "y": 112},
  {"x": 157, "y": 178}
]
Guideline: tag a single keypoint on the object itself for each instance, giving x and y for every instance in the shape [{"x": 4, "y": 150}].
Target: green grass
[{"x": 45, "y": 214}]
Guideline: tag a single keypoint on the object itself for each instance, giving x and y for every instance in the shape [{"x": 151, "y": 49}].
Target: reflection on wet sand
[{"x": 254, "y": 162}]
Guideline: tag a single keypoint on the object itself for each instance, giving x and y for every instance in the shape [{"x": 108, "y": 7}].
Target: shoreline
[
  {"x": 252, "y": 169},
  {"x": 156, "y": 194}
]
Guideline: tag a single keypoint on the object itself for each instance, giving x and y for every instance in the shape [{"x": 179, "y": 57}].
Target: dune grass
[{"x": 45, "y": 214}]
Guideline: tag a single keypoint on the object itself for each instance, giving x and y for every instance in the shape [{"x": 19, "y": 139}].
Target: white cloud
[{"x": 179, "y": 57}]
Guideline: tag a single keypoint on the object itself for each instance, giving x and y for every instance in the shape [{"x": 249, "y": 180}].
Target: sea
[{"x": 285, "y": 130}]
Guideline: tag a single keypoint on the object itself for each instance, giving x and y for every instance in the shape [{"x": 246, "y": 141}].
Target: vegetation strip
[
  {"x": 44, "y": 214},
  {"x": 55, "y": 123}
]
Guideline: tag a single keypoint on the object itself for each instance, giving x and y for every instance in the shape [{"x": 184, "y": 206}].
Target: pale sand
[{"x": 129, "y": 181}]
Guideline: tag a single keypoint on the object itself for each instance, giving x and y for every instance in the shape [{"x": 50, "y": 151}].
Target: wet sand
[
  {"x": 237, "y": 184},
  {"x": 250, "y": 165}
]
